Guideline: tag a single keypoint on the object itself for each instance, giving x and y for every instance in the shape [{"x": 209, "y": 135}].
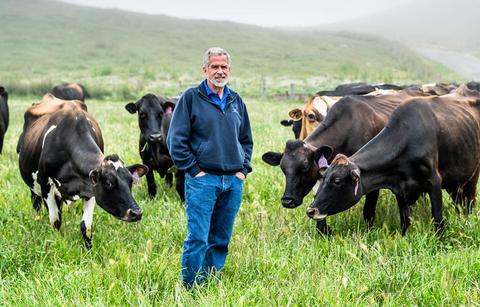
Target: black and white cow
[
  {"x": 61, "y": 160},
  {"x": 4, "y": 115},
  {"x": 429, "y": 144},
  {"x": 154, "y": 117}
]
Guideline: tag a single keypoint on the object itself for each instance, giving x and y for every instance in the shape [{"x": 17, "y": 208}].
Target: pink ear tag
[
  {"x": 322, "y": 162},
  {"x": 136, "y": 178},
  {"x": 356, "y": 188},
  {"x": 168, "y": 110}
]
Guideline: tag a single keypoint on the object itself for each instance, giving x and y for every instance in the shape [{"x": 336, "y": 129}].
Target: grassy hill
[{"x": 121, "y": 54}]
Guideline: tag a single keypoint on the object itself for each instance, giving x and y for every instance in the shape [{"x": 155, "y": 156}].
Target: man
[{"x": 210, "y": 138}]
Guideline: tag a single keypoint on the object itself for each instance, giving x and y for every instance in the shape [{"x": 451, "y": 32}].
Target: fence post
[
  {"x": 292, "y": 91},
  {"x": 264, "y": 89}
]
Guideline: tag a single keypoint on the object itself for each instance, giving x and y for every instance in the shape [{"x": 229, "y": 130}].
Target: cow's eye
[
  {"x": 108, "y": 184},
  {"x": 142, "y": 114},
  {"x": 160, "y": 114},
  {"x": 337, "y": 181},
  {"x": 305, "y": 166},
  {"x": 311, "y": 116}
]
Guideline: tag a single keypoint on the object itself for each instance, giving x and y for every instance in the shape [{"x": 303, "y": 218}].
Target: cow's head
[
  {"x": 312, "y": 113},
  {"x": 150, "y": 116},
  {"x": 296, "y": 126},
  {"x": 300, "y": 167},
  {"x": 340, "y": 189},
  {"x": 112, "y": 182}
]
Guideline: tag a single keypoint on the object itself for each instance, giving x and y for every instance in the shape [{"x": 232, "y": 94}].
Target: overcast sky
[{"x": 267, "y": 13}]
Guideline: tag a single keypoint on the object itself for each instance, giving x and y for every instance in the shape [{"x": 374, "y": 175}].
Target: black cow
[
  {"x": 71, "y": 91},
  {"x": 296, "y": 126},
  {"x": 154, "y": 117},
  {"x": 351, "y": 123},
  {"x": 473, "y": 85},
  {"x": 429, "y": 144},
  {"x": 4, "y": 115},
  {"x": 61, "y": 160}
]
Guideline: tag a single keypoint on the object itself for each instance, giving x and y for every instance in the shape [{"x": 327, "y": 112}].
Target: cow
[
  {"x": 4, "y": 115},
  {"x": 429, "y": 144},
  {"x": 296, "y": 126},
  {"x": 154, "y": 117},
  {"x": 350, "y": 124},
  {"x": 71, "y": 91},
  {"x": 473, "y": 85},
  {"x": 61, "y": 160}
]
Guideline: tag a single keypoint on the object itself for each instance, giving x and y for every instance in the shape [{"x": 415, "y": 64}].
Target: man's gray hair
[{"x": 214, "y": 51}]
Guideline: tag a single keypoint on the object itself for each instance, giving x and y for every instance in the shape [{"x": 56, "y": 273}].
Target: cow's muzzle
[
  {"x": 289, "y": 203},
  {"x": 133, "y": 215},
  {"x": 313, "y": 213},
  {"x": 155, "y": 137}
]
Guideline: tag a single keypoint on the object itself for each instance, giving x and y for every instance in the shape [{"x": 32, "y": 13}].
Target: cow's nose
[
  {"x": 155, "y": 137},
  {"x": 288, "y": 202},
  {"x": 311, "y": 212},
  {"x": 134, "y": 214}
]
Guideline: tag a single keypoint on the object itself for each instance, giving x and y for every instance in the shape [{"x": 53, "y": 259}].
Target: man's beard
[{"x": 220, "y": 83}]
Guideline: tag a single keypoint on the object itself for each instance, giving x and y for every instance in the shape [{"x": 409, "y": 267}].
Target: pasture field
[{"x": 276, "y": 256}]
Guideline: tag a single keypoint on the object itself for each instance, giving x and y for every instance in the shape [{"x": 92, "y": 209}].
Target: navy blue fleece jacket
[{"x": 203, "y": 137}]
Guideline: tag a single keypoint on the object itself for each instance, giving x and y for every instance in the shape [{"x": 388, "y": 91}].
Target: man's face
[{"x": 217, "y": 71}]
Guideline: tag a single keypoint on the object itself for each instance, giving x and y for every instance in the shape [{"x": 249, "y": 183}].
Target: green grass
[
  {"x": 276, "y": 257},
  {"x": 115, "y": 53}
]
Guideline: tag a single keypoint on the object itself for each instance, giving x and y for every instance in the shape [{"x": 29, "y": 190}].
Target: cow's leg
[
  {"x": 87, "y": 220},
  {"x": 36, "y": 202},
  {"x": 180, "y": 184},
  {"x": 169, "y": 179},
  {"x": 437, "y": 205},
  {"x": 470, "y": 193},
  {"x": 405, "y": 214},
  {"x": 322, "y": 227},
  {"x": 53, "y": 205},
  {"x": 152, "y": 187},
  {"x": 369, "y": 207}
]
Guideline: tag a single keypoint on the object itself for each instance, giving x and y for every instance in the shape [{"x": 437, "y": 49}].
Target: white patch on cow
[
  {"x": 316, "y": 187},
  {"x": 429, "y": 85},
  {"x": 320, "y": 105},
  {"x": 52, "y": 205},
  {"x": 52, "y": 183},
  {"x": 87, "y": 217},
  {"x": 46, "y": 133},
  {"x": 329, "y": 100},
  {"x": 36, "y": 186},
  {"x": 117, "y": 164}
]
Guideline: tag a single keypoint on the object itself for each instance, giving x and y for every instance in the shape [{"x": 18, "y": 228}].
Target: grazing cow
[
  {"x": 429, "y": 144},
  {"x": 296, "y": 126},
  {"x": 4, "y": 115},
  {"x": 61, "y": 160},
  {"x": 436, "y": 88},
  {"x": 154, "y": 117},
  {"x": 71, "y": 91},
  {"x": 350, "y": 123},
  {"x": 474, "y": 85}
]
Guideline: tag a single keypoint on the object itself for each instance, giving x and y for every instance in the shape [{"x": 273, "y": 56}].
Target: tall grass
[{"x": 276, "y": 256}]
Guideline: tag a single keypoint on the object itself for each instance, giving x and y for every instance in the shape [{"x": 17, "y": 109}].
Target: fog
[{"x": 266, "y": 13}]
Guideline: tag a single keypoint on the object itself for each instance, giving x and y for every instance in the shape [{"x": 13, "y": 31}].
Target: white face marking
[
  {"x": 316, "y": 187},
  {"x": 117, "y": 164},
  {"x": 36, "y": 186},
  {"x": 320, "y": 105},
  {"x": 46, "y": 133},
  {"x": 87, "y": 217}
]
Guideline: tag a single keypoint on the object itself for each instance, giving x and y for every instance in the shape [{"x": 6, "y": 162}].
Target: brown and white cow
[
  {"x": 350, "y": 124},
  {"x": 4, "y": 115},
  {"x": 61, "y": 160},
  {"x": 429, "y": 144}
]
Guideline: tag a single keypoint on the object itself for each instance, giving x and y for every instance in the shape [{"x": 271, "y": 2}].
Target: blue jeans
[{"x": 212, "y": 203}]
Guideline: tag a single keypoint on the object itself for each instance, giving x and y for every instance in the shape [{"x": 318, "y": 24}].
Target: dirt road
[{"x": 465, "y": 66}]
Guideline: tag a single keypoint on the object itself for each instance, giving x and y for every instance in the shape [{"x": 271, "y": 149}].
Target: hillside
[
  {"x": 49, "y": 42},
  {"x": 441, "y": 23}
]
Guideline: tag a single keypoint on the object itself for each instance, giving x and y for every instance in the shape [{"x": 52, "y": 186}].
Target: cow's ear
[
  {"x": 295, "y": 114},
  {"x": 94, "y": 176},
  {"x": 131, "y": 107},
  {"x": 320, "y": 106},
  {"x": 322, "y": 155},
  {"x": 168, "y": 107},
  {"x": 140, "y": 169},
  {"x": 355, "y": 173},
  {"x": 272, "y": 158},
  {"x": 287, "y": 123}
]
